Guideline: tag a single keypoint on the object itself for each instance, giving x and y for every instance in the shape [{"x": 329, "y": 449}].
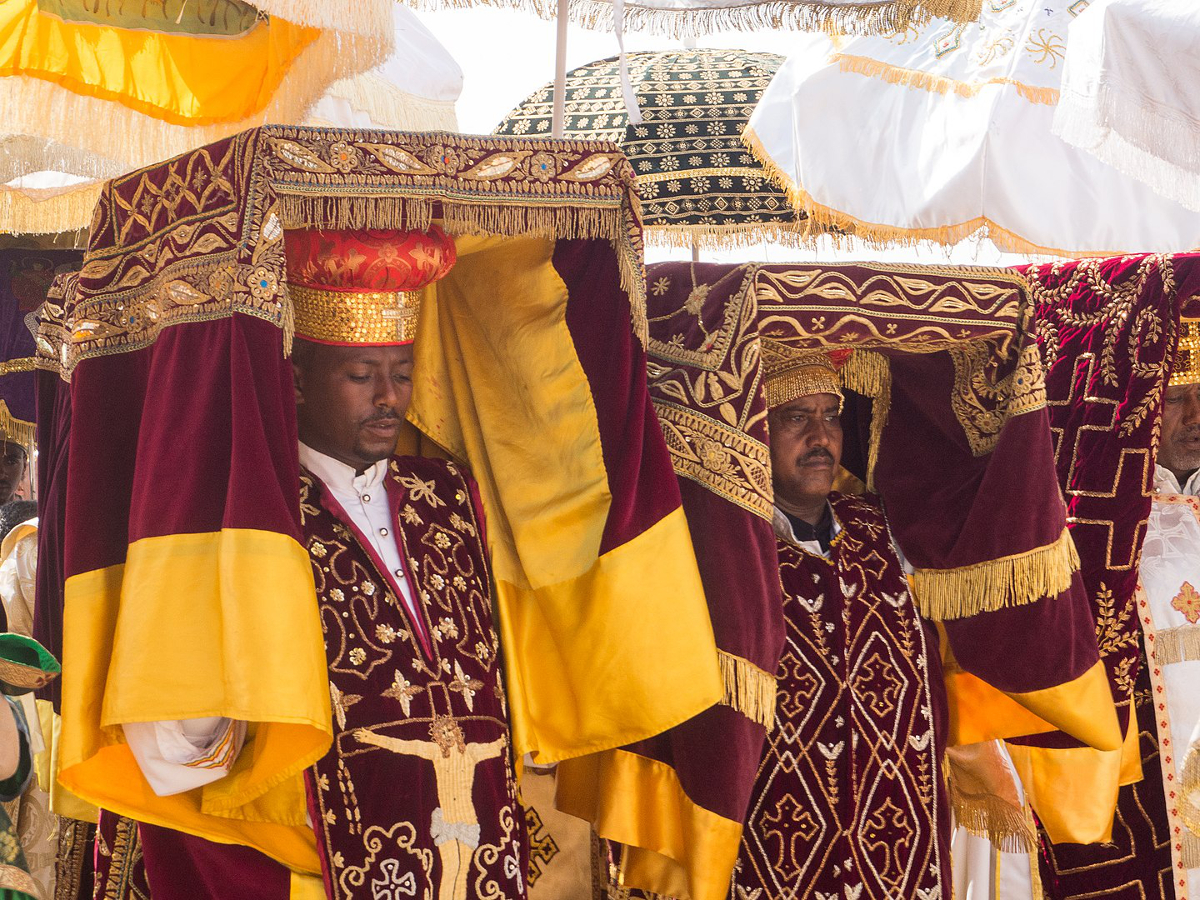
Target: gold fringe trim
[
  {"x": 869, "y": 373},
  {"x": 728, "y": 237},
  {"x": 24, "y": 433},
  {"x": 937, "y": 84},
  {"x": 882, "y": 237},
  {"x": 778, "y": 15},
  {"x": 20, "y": 364},
  {"x": 48, "y": 211},
  {"x": 134, "y": 139},
  {"x": 369, "y": 18},
  {"x": 748, "y": 689},
  {"x": 990, "y": 817},
  {"x": 475, "y": 217},
  {"x": 1015, "y": 580},
  {"x": 1176, "y": 645},
  {"x": 387, "y": 106}
]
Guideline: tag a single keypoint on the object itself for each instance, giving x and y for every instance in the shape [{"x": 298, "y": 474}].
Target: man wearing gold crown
[
  {"x": 849, "y": 801},
  {"x": 417, "y": 795}
]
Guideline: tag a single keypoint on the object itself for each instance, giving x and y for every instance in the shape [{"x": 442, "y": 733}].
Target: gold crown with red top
[
  {"x": 1187, "y": 357},
  {"x": 788, "y": 373},
  {"x": 363, "y": 287}
]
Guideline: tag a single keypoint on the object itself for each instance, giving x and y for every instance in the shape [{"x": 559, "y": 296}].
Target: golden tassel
[
  {"x": 748, "y": 689},
  {"x": 937, "y": 84},
  {"x": 17, "y": 430},
  {"x": 1015, "y": 580},
  {"x": 869, "y": 373},
  {"x": 1176, "y": 645}
]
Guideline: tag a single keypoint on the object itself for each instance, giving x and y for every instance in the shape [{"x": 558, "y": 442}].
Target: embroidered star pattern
[
  {"x": 402, "y": 691},
  {"x": 341, "y": 703}
]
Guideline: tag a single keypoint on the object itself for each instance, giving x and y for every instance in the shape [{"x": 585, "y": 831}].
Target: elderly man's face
[
  {"x": 1179, "y": 445},
  {"x": 806, "y": 449},
  {"x": 12, "y": 468},
  {"x": 351, "y": 401}
]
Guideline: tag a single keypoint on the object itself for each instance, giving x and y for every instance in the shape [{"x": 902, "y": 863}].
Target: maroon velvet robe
[
  {"x": 849, "y": 802},
  {"x": 417, "y": 796}
]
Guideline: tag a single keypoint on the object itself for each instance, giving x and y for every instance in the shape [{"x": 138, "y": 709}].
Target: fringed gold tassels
[
  {"x": 937, "y": 84},
  {"x": 47, "y": 211},
  {"x": 868, "y": 373},
  {"x": 18, "y": 430},
  {"x": 748, "y": 689},
  {"x": 984, "y": 798},
  {"x": 997, "y": 584},
  {"x": 1176, "y": 645},
  {"x": 725, "y": 237}
]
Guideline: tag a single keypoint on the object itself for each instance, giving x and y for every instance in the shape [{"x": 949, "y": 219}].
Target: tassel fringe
[
  {"x": 48, "y": 211},
  {"x": 886, "y": 237},
  {"x": 1176, "y": 645},
  {"x": 1015, "y": 580},
  {"x": 869, "y": 373},
  {"x": 387, "y": 106},
  {"x": 726, "y": 237},
  {"x": 369, "y": 18},
  {"x": 781, "y": 15},
  {"x": 748, "y": 689},
  {"x": 989, "y": 817},
  {"x": 938, "y": 84},
  {"x": 19, "y": 430}
]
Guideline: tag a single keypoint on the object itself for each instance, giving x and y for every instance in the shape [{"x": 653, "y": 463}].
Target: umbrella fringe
[
  {"x": 15, "y": 429},
  {"x": 369, "y": 18},
  {"x": 48, "y": 211},
  {"x": 725, "y": 237},
  {"x": 846, "y": 229},
  {"x": 389, "y": 107},
  {"x": 775, "y": 14},
  {"x": 136, "y": 138},
  {"x": 938, "y": 84}
]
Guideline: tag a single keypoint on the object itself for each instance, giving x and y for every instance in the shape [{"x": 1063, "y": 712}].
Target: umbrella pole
[{"x": 559, "y": 118}]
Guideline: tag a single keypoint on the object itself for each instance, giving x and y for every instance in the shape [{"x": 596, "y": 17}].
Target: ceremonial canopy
[
  {"x": 188, "y": 592},
  {"x": 947, "y": 422}
]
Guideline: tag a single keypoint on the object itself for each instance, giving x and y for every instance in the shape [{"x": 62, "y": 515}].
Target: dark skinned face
[
  {"x": 806, "y": 449},
  {"x": 12, "y": 469},
  {"x": 1179, "y": 446},
  {"x": 350, "y": 401}
]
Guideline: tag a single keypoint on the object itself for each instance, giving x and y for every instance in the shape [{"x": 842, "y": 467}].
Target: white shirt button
[
  {"x": 366, "y": 498},
  {"x": 383, "y": 531},
  {"x": 399, "y": 573}
]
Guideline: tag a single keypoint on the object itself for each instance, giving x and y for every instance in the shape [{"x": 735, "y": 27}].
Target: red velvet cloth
[
  {"x": 53, "y": 438},
  {"x": 119, "y": 860},
  {"x": 181, "y": 866},
  {"x": 368, "y": 260}
]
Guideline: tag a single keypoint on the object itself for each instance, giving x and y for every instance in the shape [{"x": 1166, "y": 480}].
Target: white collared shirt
[
  {"x": 1165, "y": 482},
  {"x": 365, "y": 500}
]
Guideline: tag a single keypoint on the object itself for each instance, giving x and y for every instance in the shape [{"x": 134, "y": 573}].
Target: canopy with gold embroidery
[
  {"x": 173, "y": 339},
  {"x": 946, "y": 419}
]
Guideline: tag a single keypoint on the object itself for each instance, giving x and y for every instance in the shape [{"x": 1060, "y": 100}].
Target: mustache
[
  {"x": 817, "y": 454},
  {"x": 389, "y": 416}
]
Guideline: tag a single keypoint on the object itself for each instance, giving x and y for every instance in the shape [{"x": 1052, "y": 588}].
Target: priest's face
[
  {"x": 1179, "y": 446},
  {"x": 806, "y": 449},
  {"x": 12, "y": 468},
  {"x": 350, "y": 401}
]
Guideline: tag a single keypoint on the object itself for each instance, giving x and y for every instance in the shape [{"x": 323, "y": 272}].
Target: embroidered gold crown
[
  {"x": 789, "y": 374},
  {"x": 1187, "y": 358}
]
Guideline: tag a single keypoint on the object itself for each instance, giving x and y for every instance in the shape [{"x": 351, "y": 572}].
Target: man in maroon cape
[
  {"x": 417, "y": 796},
  {"x": 849, "y": 800}
]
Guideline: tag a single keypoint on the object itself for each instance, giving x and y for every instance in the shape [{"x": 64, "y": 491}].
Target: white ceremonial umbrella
[
  {"x": 940, "y": 132},
  {"x": 1131, "y": 92}
]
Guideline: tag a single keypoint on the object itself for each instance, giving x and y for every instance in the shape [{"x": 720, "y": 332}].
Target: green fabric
[
  {"x": 692, "y": 169},
  {"x": 221, "y": 17},
  {"x": 30, "y": 665}
]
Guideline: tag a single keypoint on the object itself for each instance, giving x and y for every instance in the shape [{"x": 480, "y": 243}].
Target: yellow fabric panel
[
  {"x": 306, "y": 887},
  {"x": 1074, "y": 792},
  {"x": 170, "y": 636},
  {"x": 673, "y": 847},
  {"x": 62, "y": 801},
  {"x": 178, "y": 78},
  {"x": 979, "y": 712},
  {"x": 599, "y": 651}
]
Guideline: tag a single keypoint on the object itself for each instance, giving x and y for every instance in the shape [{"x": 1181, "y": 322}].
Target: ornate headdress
[
  {"x": 1187, "y": 358},
  {"x": 363, "y": 287},
  {"x": 789, "y": 373}
]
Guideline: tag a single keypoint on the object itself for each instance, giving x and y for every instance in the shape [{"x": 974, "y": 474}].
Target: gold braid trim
[
  {"x": 1176, "y": 645},
  {"x": 724, "y": 237},
  {"x": 20, "y": 364},
  {"x": 17, "y": 430},
  {"x": 823, "y": 219},
  {"x": 748, "y": 689},
  {"x": 870, "y": 374},
  {"x": 937, "y": 84},
  {"x": 1015, "y": 580}
]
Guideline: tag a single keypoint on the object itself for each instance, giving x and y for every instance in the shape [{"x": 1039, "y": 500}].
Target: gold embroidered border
[
  {"x": 981, "y": 402},
  {"x": 17, "y": 879},
  {"x": 998, "y": 583},
  {"x": 21, "y": 676},
  {"x": 20, "y": 364},
  {"x": 723, "y": 459},
  {"x": 748, "y": 689}
]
